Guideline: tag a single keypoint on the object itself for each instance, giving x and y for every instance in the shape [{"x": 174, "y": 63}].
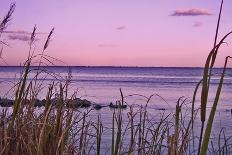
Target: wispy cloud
[
  {"x": 20, "y": 37},
  {"x": 121, "y": 28},
  {"x": 17, "y": 32},
  {"x": 191, "y": 12},
  {"x": 106, "y": 45},
  {"x": 21, "y": 32},
  {"x": 198, "y": 24}
]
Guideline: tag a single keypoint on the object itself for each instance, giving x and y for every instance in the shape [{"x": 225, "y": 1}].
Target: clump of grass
[
  {"x": 24, "y": 131},
  {"x": 205, "y": 89}
]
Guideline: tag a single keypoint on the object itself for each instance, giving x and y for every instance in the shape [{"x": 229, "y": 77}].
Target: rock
[
  {"x": 85, "y": 103},
  {"x": 54, "y": 101},
  {"x": 78, "y": 103},
  {"x": 162, "y": 109},
  {"x": 97, "y": 107},
  {"x": 117, "y": 106},
  {"x": 39, "y": 103},
  {"x": 36, "y": 102},
  {"x": 44, "y": 101},
  {"x": 6, "y": 103}
]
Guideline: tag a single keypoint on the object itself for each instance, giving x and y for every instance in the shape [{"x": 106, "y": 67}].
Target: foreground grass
[{"x": 59, "y": 129}]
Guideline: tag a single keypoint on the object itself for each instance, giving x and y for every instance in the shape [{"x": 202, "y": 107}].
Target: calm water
[{"x": 101, "y": 85}]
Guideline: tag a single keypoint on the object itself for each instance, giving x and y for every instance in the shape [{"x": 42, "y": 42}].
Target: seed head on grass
[
  {"x": 7, "y": 18},
  {"x": 33, "y": 36},
  {"x": 48, "y": 39},
  {"x": 31, "y": 42}
]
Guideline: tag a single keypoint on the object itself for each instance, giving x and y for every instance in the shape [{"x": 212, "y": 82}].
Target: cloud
[
  {"x": 198, "y": 24},
  {"x": 106, "y": 45},
  {"x": 21, "y": 32},
  {"x": 191, "y": 12},
  {"x": 17, "y": 32},
  {"x": 121, "y": 28},
  {"x": 19, "y": 37}
]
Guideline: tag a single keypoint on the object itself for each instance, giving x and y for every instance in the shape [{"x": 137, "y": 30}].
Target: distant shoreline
[{"x": 113, "y": 67}]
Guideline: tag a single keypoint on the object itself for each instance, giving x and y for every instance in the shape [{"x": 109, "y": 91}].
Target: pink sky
[{"x": 119, "y": 32}]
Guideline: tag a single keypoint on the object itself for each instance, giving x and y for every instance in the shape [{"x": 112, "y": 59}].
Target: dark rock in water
[
  {"x": 112, "y": 106},
  {"x": 97, "y": 107},
  {"x": 117, "y": 106},
  {"x": 6, "y": 103},
  {"x": 44, "y": 101},
  {"x": 39, "y": 103},
  {"x": 54, "y": 101},
  {"x": 78, "y": 103},
  {"x": 85, "y": 103},
  {"x": 229, "y": 110},
  {"x": 72, "y": 103},
  {"x": 36, "y": 102},
  {"x": 162, "y": 109}
]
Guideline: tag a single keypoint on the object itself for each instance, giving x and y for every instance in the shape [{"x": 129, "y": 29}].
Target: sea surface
[{"x": 102, "y": 85}]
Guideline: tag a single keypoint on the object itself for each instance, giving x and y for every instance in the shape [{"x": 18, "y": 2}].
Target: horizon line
[{"x": 106, "y": 66}]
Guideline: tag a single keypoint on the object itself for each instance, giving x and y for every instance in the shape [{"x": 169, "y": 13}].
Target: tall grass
[{"x": 206, "y": 86}]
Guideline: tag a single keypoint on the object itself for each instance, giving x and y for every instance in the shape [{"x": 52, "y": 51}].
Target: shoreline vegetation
[{"x": 62, "y": 129}]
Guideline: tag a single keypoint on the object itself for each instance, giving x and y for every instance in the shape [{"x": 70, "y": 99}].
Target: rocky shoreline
[
  {"x": 69, "y": 103},
  {"x": 73, "y": 103}
]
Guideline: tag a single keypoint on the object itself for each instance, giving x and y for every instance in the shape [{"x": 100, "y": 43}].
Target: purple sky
[{"x": 119, "y": 32}]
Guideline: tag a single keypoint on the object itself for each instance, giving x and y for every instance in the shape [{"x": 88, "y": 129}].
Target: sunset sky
[{"x": 118, "y": 32}]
